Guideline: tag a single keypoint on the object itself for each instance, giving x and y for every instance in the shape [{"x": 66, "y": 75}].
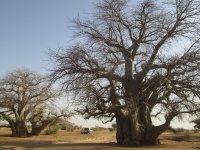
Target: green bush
[
  {"x": 53, "y": 129},
  {"x": 63, "y": 127},
  {"x": 67, "y": 128}
]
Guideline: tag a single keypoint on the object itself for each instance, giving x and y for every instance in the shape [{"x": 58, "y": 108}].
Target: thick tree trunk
[
  {"x": 36, "y": 129},
  {"x": 151, "y": 136},
  {"x": 11, "y": 123},
  {"x": 21, "y": 129},
  {"x": 153, "y": 132},
  {"x": 131, "y": 132},
  {"x": 13, "y": 129}
]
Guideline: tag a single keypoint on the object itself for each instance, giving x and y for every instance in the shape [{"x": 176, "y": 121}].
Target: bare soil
[{"x": 102, "y": 140}]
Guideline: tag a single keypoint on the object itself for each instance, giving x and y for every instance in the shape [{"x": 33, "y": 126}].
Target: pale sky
[{"x": 29, "y": 27}]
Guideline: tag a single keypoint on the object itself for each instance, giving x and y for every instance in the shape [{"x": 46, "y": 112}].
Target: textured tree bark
[
  {"x": 151, "y": 136},
  {"x": 132, "y": 132},
  {"x": 153, "y": 132},
  {"x": 123, "y": 134},
  {"x": 21, "y": 129},
  {"x": 36, "y": 130},
  {"x": 13, "y": 129}
]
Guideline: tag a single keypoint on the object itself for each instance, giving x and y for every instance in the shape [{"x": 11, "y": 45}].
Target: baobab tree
[
  {"x": 23, "y": 94},
  {"x": 44, "y": 116},
  {"x": 131, "y": 64}
]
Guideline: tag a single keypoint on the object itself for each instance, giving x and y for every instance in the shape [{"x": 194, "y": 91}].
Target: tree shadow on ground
[
  {"x": 183, "y": 138},
  {"x": 51, "y": 145},
  {"x": 12, "y": 145}
]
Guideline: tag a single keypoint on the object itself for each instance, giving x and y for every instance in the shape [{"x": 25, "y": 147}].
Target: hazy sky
[{"x": 29, "y": 27}]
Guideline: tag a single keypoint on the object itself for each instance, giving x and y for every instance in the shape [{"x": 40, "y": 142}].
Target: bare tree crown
[{"x": 127, "y": 56}]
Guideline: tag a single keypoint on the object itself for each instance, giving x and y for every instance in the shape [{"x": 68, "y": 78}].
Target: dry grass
[{"x": 103, "y": 140}]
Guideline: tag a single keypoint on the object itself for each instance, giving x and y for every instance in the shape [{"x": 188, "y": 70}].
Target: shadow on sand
[{"x": 9, "y": 145}]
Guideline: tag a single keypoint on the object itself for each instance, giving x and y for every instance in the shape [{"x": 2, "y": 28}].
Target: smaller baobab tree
[{"x": 22, "y": 95}]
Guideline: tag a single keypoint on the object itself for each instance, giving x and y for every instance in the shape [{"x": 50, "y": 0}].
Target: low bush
[
  {"x": 70, "y": 129},
  {"x": 196, "y": 130},
  {"x": 111, "y": 129},
  {"x": 53, "y": 129},
  {"x": 97, "y": 128},
  {"x": 180, "y": 130},
  {"x": 186, "y": 136}
]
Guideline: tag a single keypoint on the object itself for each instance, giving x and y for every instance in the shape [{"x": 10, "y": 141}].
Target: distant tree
[
  {"x": 126, "y": 66},
  {"x": 23, "y": 96},
  {"x": 45, "y": 116},
  {"x": 197, "y": 123}
]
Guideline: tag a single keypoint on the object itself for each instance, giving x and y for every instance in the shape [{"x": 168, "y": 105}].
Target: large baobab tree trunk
[
  {"x": 129, "y": 133},
  {"x": 18, "y": 127},
  {"x": 132, "y": 131}
]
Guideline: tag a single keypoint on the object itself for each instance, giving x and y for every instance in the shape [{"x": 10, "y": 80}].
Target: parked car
[{"x": 86, "y": 131}]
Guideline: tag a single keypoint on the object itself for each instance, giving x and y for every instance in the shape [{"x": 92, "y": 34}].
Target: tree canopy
[
  {"x": 131, "y": 64},
  {"x": 25, "y": 97}
]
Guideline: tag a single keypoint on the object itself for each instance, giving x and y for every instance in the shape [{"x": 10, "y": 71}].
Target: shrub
[
  {"x": 53, "y": 129},
  {"x": 70, "y": 129},
  {"x": 180, "y": 130},
  {"x": 184, "y": 137},
  {"x": 97, "y": 128},
  {"x": 196, "y": 131},
  {"x": 63, "y": 127},
  {"x": 111, "y": 129}
]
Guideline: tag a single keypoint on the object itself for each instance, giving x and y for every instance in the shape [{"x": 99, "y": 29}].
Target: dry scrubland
[{"x": 101, "y": 140}]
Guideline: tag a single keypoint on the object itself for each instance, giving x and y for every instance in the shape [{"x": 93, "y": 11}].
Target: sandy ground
[{"x": 103, "y": 140}]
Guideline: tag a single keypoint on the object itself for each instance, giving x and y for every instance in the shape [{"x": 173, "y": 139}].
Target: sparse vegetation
[
  {"x": 66, "y": 125},
  {"x": 64, "y": 140},
  {"x": 52, "y": 129},
  {"x": 97, "y": 128},
  {"x": 180, "y": 130},
  {"x": 111, "y": 129},
  {"x": 183, "y": 135}
]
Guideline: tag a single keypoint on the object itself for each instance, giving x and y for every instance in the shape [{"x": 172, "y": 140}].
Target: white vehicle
[{"x": 86, "y": 131}]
